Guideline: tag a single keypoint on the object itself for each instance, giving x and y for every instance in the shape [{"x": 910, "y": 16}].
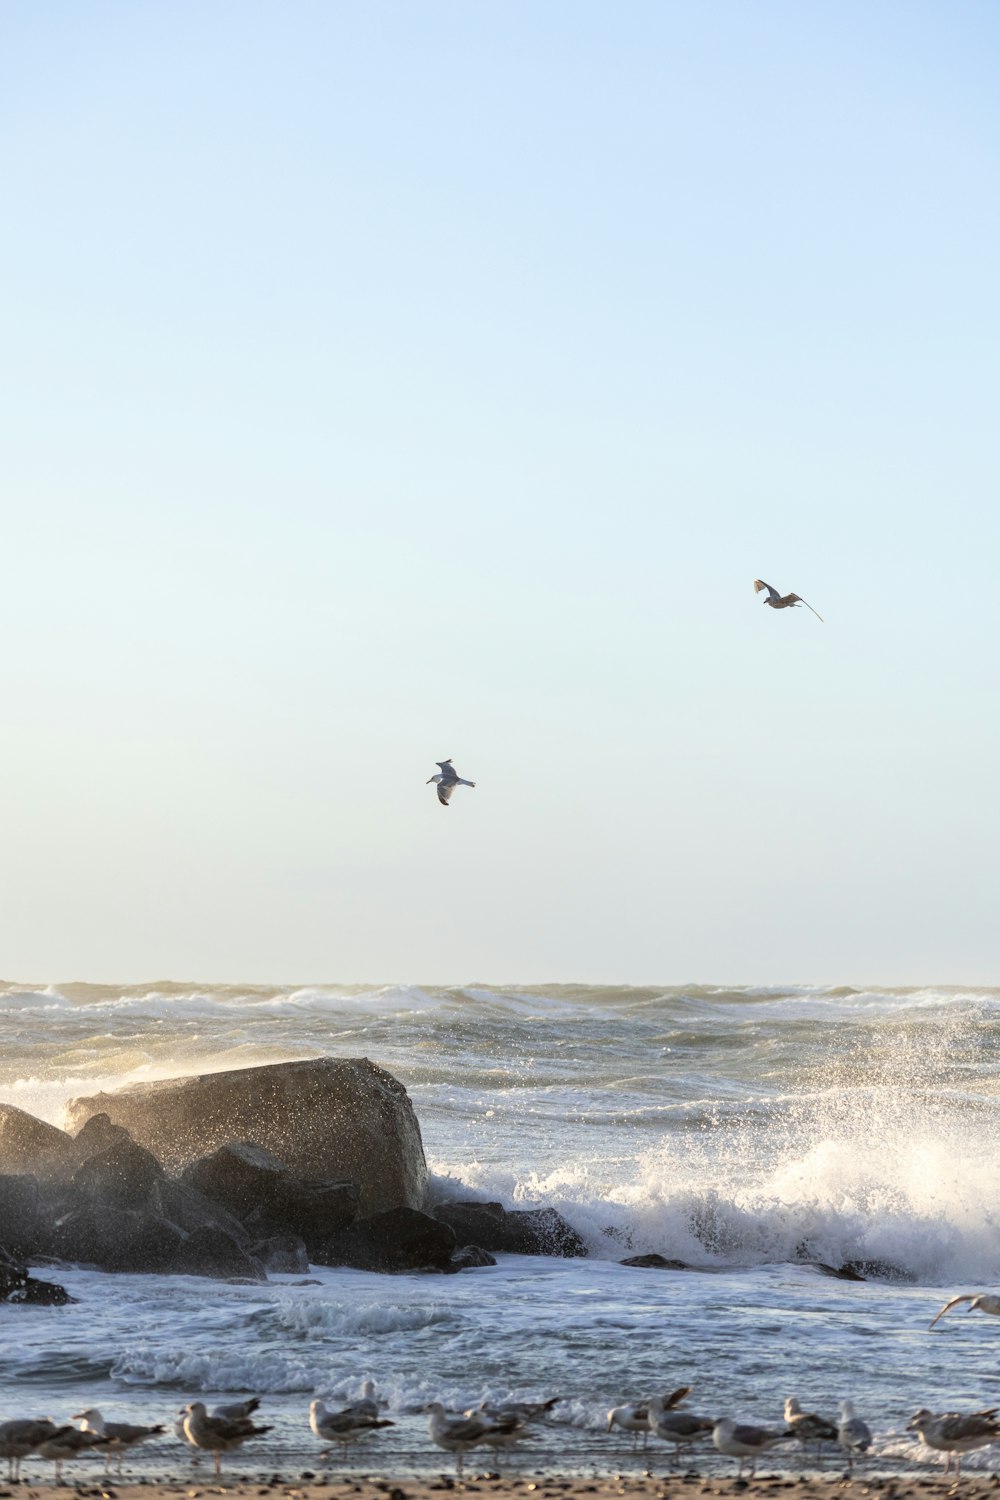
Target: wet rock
[
  {"x": 402, "y": 1239},
  {"x": 284, "y": 1254},
  {"x": 212, "y": 1252},
  {"x": 471, "y": 1256},
  {"x": 17, "y": 1286},
  {"x": 120, "y": 1177},
  {"x": 22, "y": 1215},
  {"x": 184, "y": 1206},
  {"x": 327, "y": 1119},
  {"x": 116, "y": 1239},
  {"x": 31, "y": 1146},
  {"x": 842, "y": 1273},
  {"x": 97, "y": 1136},
  {"x": 269, "y": 1200},
  {"x": 533, "y": 1231},
  {"x": 655, "y": 1262}
]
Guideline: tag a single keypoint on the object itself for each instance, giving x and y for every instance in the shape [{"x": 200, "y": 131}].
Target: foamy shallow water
[{"x": 732, "y": 1129}]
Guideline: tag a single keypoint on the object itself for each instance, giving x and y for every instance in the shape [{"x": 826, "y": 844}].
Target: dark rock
[
  {"x": 117, "y": 1239},
  {"x": 533, "y": 1231},
  {"x": 470, "y": 1256},
  {"x": 328, "y": 1119},
  {"x": 239, "y": 1175},
  {"x": 22, "y": 1215},
  {"x": 96, "y": 1137},
  {"x": 403, "y": 1239},
  {"x": 285, "y": 1254},
  {"x": 842, "y": 1273},
  {"x": 31, "y": 1146},
  {"x": 17, "y": 1286},
  {"x": 120, "y": 1177},
  {"x": 212, "y": 1252},
  {"x": 184, "y": 1206},
  {"x": 880, "y": 1270},
  {"x": 656, "y": 1262},
  {"x": 258, "y": 1188}
]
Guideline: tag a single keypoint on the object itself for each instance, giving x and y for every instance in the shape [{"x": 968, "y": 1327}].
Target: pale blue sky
[{"x": 382, "y": 382}]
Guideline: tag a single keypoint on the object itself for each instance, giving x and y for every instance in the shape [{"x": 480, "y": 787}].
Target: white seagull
[
  {"x": 782, "y": 601},
  {"x": 953, "y": 1434},
  {"x": 742, "y": 1440},
  {"x": 344, "y": 1426},
  {"x": 981, "y": 1301},
  {"x": 119, "y": 1436},
  {"x": 447, "y": 780},
  {"x": 853, "y": 1435},
  {"x": 217, "y": 1434},
  {"x": 458, "y": 1434},
  {"x": 633, "y": 1416}
]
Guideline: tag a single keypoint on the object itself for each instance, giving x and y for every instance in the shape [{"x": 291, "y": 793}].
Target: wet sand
[{"x": 977, "y": 1486}]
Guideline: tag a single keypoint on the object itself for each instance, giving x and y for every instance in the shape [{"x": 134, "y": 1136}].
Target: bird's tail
[{"x": 461, "y": 782}]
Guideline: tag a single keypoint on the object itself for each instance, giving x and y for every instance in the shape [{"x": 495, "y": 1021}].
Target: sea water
[{"x": 749, "y": 1132}]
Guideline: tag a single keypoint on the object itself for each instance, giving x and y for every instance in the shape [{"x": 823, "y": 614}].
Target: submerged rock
[
  {"x": 533, "y": 1231},
  {"x": 17, "y": 1286},
  {"x": 326, "y": 1119},
  {"x": 656, "y": 1262}
]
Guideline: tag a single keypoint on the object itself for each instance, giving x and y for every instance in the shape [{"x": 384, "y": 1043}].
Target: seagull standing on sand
[
  {"x": 677, "y": 1427},
  {"x": 853, "y": 1435},
  {"x": 953, "y": 1434},
  {"x": 447, "y": 780},
  {"x": 66, "y": 1443},
  {"x": 518, "y": 1411},
  {"x": 119, "y": 1436},
  {"x": 741, "y": 1440},
  {"x": 458, "y": 1434},
  {"x": 782, "y": 601},
  {"x": 217, "y": 1434},
  {"x": 983, "y": 1301},
  {"x": 21, "y": 1436},
  {"x": 807, "y": 1426},
  {"x": 633, "y": 1416},
  {"x": 344, "y": 1426}
]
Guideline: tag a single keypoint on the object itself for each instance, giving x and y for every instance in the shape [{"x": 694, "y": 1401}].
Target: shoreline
[{"x": 536, "y": 1486}]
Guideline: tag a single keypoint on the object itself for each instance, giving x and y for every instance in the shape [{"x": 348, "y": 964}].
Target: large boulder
[
  {"x": 325, "y": 1118},
  {"x": 120, "y": 1177},
  {"x": 118, "y": 1239},
  {"x": 31, "y": 1146}
]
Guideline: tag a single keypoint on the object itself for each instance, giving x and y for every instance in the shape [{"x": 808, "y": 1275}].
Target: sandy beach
[{"x": 527, "y": 1487}]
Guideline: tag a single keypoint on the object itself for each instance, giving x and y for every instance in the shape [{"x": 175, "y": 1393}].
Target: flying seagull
[
  {"x": 447, "y": 780},
  {"x": 984, "y": 1301},
  {"x": 782, "y": 601}
]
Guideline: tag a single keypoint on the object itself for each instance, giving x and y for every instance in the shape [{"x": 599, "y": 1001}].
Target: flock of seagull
[
  {"x": 226, "y": 1428},
  {"x": 447, "y": 778}
]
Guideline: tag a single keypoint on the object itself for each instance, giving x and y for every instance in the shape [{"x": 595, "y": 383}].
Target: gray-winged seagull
[
  {"x": 447, "y": 780},
  {"x": 782, "y": 601},
  {"x": 953, "y": 1434},
  {"x": 984, "y": 1301}
]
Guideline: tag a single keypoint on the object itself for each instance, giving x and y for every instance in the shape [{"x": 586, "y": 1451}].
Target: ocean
[{"x": 749, "y": 1132}]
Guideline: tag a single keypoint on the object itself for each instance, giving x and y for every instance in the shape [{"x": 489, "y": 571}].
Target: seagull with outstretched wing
[
  {"x": 447, "y": 780},
  {"x": 985, "y": 1302},
  {"x": 782, "y": 601}
]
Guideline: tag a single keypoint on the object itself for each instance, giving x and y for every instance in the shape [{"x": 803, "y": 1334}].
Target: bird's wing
[
  {"x": 965, "y": 1297},
  {"x": 468, "y": 1429},
  {"x": 759, "y": 584},
  {"x": 445, "y": 766},
  {"x": 676, "y": 1397},
  {"x": 798, "y": 599},
  {"x": 445, "y": 789}
]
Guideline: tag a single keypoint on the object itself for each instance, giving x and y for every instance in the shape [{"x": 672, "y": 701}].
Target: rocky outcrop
[
  {"x": 656, "y": 1262},
  {"x": 31, "y": 1146},
  {"x": 327, "y": 1119},
  {"x": 259, "y": 1189},
  {"x": 532, "y": 1231},
  {"x": 284, "y": 1254},
  {"x": 402, "y": 1239}
]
